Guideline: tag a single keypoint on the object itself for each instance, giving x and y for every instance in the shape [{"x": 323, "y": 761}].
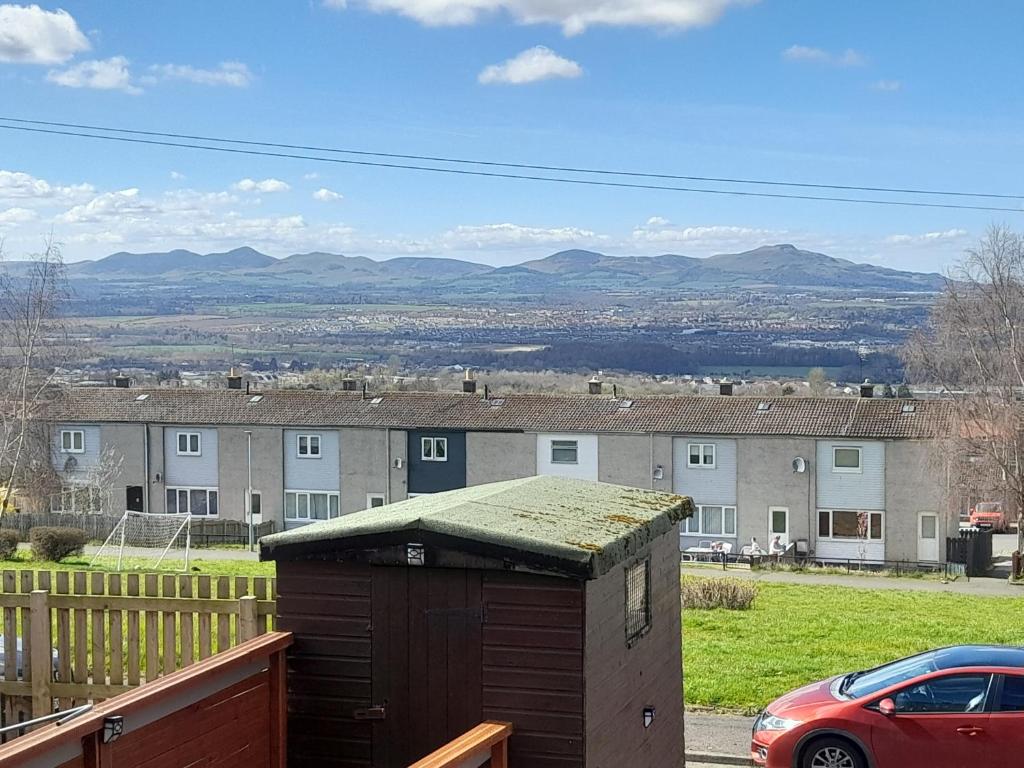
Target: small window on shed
[{"x": 638, "y": 601}]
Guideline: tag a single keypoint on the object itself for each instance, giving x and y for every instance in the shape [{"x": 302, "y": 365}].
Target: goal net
[{"x": 140, "y": 534}]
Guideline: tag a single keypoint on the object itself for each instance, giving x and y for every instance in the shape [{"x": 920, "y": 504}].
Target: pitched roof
[
  {"x": 857, "y": 418},
  {"x": 579, "y": 527}
]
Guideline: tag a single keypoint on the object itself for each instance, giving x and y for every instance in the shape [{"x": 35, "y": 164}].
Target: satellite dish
[
  {"x": 799, "y": 465},
  {"x": 71, "y": 464}
]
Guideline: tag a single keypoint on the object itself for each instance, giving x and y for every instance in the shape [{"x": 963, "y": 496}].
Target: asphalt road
[{"x": 721, "y": 734}]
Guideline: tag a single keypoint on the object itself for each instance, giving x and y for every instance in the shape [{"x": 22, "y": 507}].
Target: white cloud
[
  {"x": 659, "y": 234},
  {"x": 234, "y": 74},
  {"x": 888, "y": 86},
  {"x": 927, "y": 237},
  {"x": 176, "y": 176},
  {"x": 30, "y": 35},
  {"x": 530, "y": 66},
  {"x": 574, "y": 16},
  {"x": 512, "y": 236},
  {"x": 847, "y": 58},
  {"x": 16, "y": 216},
  {"x": 266, "y": 185},
  {"x": 658, "y": 221},
  {"x": 15, "y": 185},
  {"x": 110, "y": 74},
  {"x": 325, "y": 195},
  {"x": 311, "y": 176},
  {"x": 122, "y": 206}
]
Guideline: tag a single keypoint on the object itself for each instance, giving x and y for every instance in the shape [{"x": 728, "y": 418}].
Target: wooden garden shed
[{"x": 549, "y": 603}]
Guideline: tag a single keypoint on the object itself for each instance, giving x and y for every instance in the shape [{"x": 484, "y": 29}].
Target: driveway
[{"x": 718, "y": 734}]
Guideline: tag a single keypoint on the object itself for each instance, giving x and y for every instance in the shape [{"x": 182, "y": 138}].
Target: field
[
  {"x": 198, "y": 565},
  {"x": 741, "y": 660}
]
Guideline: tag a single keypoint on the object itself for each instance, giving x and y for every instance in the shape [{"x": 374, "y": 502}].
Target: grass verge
[
  {"x": 794, "y": 634},
  {"x": 24, "y": 560}
]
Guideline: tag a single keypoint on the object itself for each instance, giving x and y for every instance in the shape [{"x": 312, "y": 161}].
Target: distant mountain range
[{"x": 769, "y": 267}]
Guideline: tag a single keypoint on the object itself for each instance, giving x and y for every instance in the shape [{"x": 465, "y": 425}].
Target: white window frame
[
  {"x": 694, "y": 526},
  {"x": 372, "y": 497},
  {"x": 72, "y": 434},
  {"x": 702, "y": 453},
  {"x": 310, "y": 453},
  {"x": 66, "y": 501},
  {"x": 859, "y": 469},
  {"x": 431, "y": 453},
  {"x": 303, "y": 502},
  {"x": 565, "y": 445},
  {"x": 188, "y": 490},
  {"x": 832, "y": 525},
  {"x": 188, "y": 443}
]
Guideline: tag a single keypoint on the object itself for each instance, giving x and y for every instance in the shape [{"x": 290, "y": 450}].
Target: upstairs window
[
  {"x": 190, "y": 444},
  {"x": 434, "y": 449},
  {"x": 638, "y": 601},
  {"x": 308, "y": 446},
  {"x": 72, "y": 441},
  {"x": 700, "y": 456},
  {"x": 565, "y": 452},
  {"x": 846, "y": 459}
]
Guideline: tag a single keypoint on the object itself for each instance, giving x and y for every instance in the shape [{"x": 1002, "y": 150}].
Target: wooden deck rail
[
  {"x": 80, "y": 741},
  {"x": 488, "y": 741}
]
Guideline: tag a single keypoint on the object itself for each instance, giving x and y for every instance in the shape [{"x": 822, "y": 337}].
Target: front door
[
  {"x": 927, "y": 537},
  {"x": 133, "y": 499},
  {"x": 778, "y": 524},
  {"x": 427, "y": 660}
]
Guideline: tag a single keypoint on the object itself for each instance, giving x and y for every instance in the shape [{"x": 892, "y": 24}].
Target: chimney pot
[
  {"x": 867, "y": 389},
  {"x": 469, "y": 383},
  {"x": 595, "y": 386}
]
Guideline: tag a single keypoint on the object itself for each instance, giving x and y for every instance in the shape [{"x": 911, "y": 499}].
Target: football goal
[{"x": 170, "y": 534}]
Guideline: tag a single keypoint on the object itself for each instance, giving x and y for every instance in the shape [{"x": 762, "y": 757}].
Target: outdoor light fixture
[
  {"x": 113, "y": 727},
  {"x": 659, "y": 472},
  {"x": 648, "y": 716},
  {"x": 415, "y": 554}
]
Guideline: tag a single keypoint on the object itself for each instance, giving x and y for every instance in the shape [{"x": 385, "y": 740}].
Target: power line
[
  {"x": 523, "y": 177},
  {"x": 520, "y": 166}
]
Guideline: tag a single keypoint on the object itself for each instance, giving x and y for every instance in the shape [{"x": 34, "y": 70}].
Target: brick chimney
[
  {"x": 867, "y": 389},
  {"x": 469, "y": 383},
  {"x": 234, "y": 379},
  {"x": 595, "y": 386}
]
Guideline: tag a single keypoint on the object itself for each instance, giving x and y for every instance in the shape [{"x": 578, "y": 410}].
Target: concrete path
[
  {"x": 721, "y": 734},
  {"x": 976, "y": 586}
]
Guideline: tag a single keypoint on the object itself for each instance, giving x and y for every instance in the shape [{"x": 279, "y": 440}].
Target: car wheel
[{"x": 832, "y": 752}]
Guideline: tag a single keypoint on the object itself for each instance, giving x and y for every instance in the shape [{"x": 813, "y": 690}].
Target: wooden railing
[
  {"x": 488, "y": 741},
  {"x": 86, "y": 637},
  {"x": 172, "y": 720}
]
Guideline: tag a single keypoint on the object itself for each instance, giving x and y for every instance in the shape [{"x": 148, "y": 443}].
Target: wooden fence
[
  {"x": 205, "y": 533},
  {"x": 86, "y": 637}
]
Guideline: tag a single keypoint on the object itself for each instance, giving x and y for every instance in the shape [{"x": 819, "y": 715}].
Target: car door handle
[{"x": 970, "y": 730}]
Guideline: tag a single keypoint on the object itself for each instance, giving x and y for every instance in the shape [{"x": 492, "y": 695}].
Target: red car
[
  {"x": 960, "y": 707},
  {"x": 989, "y": 514}
]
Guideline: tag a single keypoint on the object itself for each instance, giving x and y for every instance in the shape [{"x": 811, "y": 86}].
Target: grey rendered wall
[
  {"x": 914, "y": 485},
  {"x": 156, "y": 500},
  {"x": 191, "y": 471},
  {"x": 399, "y": 476},
  {"x": 364, "y": 466},
  {"x": 624, "y": 460},
  {"x": 312, "y": 474},
  {"x": 706, "y": 486},
  {"x": 85, "y": 460},
  {"x": 495, "y": 456},
  {"x": 851, "y": 490},
  {"x": 267, "y": 472},
  {"x": 766, "y": 479},
  {"x": 127, "y": 443}
]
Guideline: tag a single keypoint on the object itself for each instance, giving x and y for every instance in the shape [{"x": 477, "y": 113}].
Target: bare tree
[
  {"x": 973, "y": 348},
  {"x": 33, "y": 345}
]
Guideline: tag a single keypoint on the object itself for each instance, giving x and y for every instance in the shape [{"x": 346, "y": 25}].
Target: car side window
[
  {"x": 1012, "y": 698},
  {"x": 950, "y": 694}
]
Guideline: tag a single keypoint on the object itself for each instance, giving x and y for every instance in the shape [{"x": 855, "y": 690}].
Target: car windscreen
[
  {"x": 989, "y": 506},
  {"x": 874, "y": 680}
]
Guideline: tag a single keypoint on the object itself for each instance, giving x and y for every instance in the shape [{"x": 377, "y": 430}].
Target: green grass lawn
[
  {"x": 795, "y": 634},
  {"x": 24, "y": 560}
]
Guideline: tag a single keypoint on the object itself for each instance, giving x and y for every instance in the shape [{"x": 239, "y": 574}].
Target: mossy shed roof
[{"x": 576, "y": 526}]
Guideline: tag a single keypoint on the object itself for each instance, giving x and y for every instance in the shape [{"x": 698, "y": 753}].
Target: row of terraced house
[{"x": 844, "y": 478}]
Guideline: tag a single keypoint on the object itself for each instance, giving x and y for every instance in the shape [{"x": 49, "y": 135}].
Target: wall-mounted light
[
  {"x": 158, "y": 477},
  {"x": 398, "y": 462},
  {"x": 648, "y": 716},
  {"x": 659, "y": 472},
  {"x": 113, "y": 727},
  {"x": 415, "y": 554}
]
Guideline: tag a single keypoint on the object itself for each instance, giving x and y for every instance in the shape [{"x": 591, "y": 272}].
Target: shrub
[
  {"x": 8, "y": 544},
  {"x": 54, "y": 544},
  {"x": 705, "y": 594}
]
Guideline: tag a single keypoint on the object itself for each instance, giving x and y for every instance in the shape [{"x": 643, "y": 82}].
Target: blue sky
[{"x": 918, "y": 94}]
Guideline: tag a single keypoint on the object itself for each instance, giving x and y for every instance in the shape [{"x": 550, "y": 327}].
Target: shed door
[{"x": 427, "y": 659}]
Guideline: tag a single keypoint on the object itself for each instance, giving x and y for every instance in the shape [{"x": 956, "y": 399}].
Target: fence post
[
  {"x": 42, "y": 657},
  {"x": 246, "y": 618}
]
